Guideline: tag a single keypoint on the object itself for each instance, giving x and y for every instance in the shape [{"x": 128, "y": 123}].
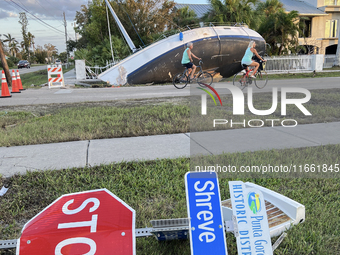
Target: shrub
[
  {"x": 15, "y": 60},
  {"x": 9, "y": 63}
]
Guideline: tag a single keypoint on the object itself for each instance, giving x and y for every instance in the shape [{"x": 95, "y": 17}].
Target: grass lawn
[
  {"x": 24, "y": 125},
  {"x": 90, "y": 121},
  {"x": 328, "y": 72},
  {"x": 37, "y": 78},
  {"x": 156, "y": 190}
]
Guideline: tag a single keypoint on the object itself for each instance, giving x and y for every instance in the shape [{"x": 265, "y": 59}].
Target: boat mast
[{"x": 122, "y": 29}]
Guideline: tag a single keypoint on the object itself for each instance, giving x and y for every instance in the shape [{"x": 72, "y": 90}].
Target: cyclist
[
  {"x": 187, "y": 60},
  {"x": 247, "y": 58}
]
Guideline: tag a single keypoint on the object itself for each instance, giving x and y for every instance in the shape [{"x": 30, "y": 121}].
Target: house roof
[
  {"x": 199, "y": 9},
  {"x": 303, "y": 7}
]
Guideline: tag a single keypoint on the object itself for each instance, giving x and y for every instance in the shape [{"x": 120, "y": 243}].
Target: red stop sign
[{"x": 85, "y": 223}]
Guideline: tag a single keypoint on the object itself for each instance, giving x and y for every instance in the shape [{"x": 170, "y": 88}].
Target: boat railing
[
  {"x": 176, "y": 30},
  {"x": 92, "y": 72}
]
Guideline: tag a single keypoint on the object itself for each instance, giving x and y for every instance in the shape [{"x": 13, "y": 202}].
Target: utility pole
[
  {"x": 337, "y": 56},
  {"x": 5, "y": 66},
  {"x": 65, "y": 24}
]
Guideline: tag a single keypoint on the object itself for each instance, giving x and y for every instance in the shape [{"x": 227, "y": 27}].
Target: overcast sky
[{"x": 50, "y": 28}]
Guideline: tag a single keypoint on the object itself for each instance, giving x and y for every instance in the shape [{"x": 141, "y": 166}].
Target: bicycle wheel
[
  {"x": 204, "y": 78},
  {"x": 240, "y": 80},
  {"x": 261, "y": 79},
  {"x": 180, "y": 80}
]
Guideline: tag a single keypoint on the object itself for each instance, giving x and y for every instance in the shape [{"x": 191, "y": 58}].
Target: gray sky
[{"x": 50, "y": 28}]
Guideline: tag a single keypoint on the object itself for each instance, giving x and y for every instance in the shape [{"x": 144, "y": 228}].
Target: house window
[
  {"x": 306, "y": 28},
  {"x": 331, "y": 28},
  {"x": 332, "y": 2}
]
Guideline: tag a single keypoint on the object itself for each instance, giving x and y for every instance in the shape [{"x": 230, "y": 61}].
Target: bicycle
[
  {"x": 181, "y": 80},
  {"x": 242, "y": 79}
]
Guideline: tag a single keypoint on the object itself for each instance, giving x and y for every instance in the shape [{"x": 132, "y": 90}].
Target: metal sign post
[{"x": 206, "y": 225}]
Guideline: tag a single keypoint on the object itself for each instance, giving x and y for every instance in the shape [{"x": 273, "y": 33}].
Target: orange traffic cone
[
  {"x": 15, "y": 88},
  {"x": 19, "y": 81},
  {"x": 4, "y": 86}
]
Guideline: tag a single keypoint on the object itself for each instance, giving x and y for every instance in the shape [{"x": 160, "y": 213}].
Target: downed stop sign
[{"x": 85, "y": 223}]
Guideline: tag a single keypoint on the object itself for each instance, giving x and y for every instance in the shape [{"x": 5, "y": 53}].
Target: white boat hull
[{"x": 221, "y": 49}]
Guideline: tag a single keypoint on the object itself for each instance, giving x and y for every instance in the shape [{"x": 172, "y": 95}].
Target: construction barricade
[{"x": 55, "y": 76}]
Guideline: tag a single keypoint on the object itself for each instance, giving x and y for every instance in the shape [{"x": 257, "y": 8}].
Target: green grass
[
  {"x": 323, "y": 106},
  {"x": 288, "y": 75},
  {"x": 309, "y": 162},
  {"x": 83, "y": 122},
  {"x": 156, "y": 190},
  {"x": 303, "y": 75},
  {"x": 37, "y": 78}
]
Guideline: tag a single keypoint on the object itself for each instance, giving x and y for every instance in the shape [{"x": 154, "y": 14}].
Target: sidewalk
[{"x": 95, "y": 152}]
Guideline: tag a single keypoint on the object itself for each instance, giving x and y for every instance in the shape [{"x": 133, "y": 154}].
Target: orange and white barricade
[{"x": 55, "y": 76}]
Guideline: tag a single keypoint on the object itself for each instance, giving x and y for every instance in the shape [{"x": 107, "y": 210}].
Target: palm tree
[
  {"x": 13, "y": 48},
  {"x": 280, "y": 30},
  {"x": 184, "y": 17},
  {"x": 269, "y": 7},
  {"x": 239, "y": 11},
  {"x": 30, "y": 40},
  {"x": 9, "y": 39}
]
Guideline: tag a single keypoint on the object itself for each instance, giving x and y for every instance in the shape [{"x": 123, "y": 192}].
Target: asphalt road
[
  {"x": 72, "y": 95},
  {"x": 30, "y": 70}
]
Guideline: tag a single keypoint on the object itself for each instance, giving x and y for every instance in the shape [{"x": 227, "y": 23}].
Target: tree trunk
[{"x": 5, "y": 66}]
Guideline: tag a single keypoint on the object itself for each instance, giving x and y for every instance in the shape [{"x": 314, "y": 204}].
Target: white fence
[
  {"x": 299, "y": 63},
  {"x": 328, "y": 61},
  {"x": 290, "y": 63}
]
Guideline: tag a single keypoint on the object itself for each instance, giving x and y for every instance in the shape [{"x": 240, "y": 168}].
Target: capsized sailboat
[{"x": 220, "y": 47}]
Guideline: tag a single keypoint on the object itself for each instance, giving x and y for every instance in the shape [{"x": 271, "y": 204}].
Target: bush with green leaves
[{"x": 9, "y": 63}]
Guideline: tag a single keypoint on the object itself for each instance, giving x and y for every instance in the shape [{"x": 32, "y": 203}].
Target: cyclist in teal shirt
[
  {"x": 246, "y": 60},
  {"x": 187, "y": 60}
]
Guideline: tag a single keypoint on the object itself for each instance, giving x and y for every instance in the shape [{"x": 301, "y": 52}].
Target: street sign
[
  {"x": 90, "y": 222},
  {"x": 250, "y": 211},
  {"x": 206, "y": 226}
]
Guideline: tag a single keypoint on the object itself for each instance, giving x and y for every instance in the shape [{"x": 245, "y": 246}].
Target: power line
[
  {"x": 47, "y": 10},
  {"x": 43, "y": 22}
]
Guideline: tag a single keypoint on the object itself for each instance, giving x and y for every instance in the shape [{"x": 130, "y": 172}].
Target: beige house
[{"x": 322, "y": 29}]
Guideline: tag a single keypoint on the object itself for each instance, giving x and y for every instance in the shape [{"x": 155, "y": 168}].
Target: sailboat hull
[{"x": 221, "y": 49}]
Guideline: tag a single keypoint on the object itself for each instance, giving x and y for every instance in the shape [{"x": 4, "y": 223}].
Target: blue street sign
[{"x": 206, "y": 226}]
